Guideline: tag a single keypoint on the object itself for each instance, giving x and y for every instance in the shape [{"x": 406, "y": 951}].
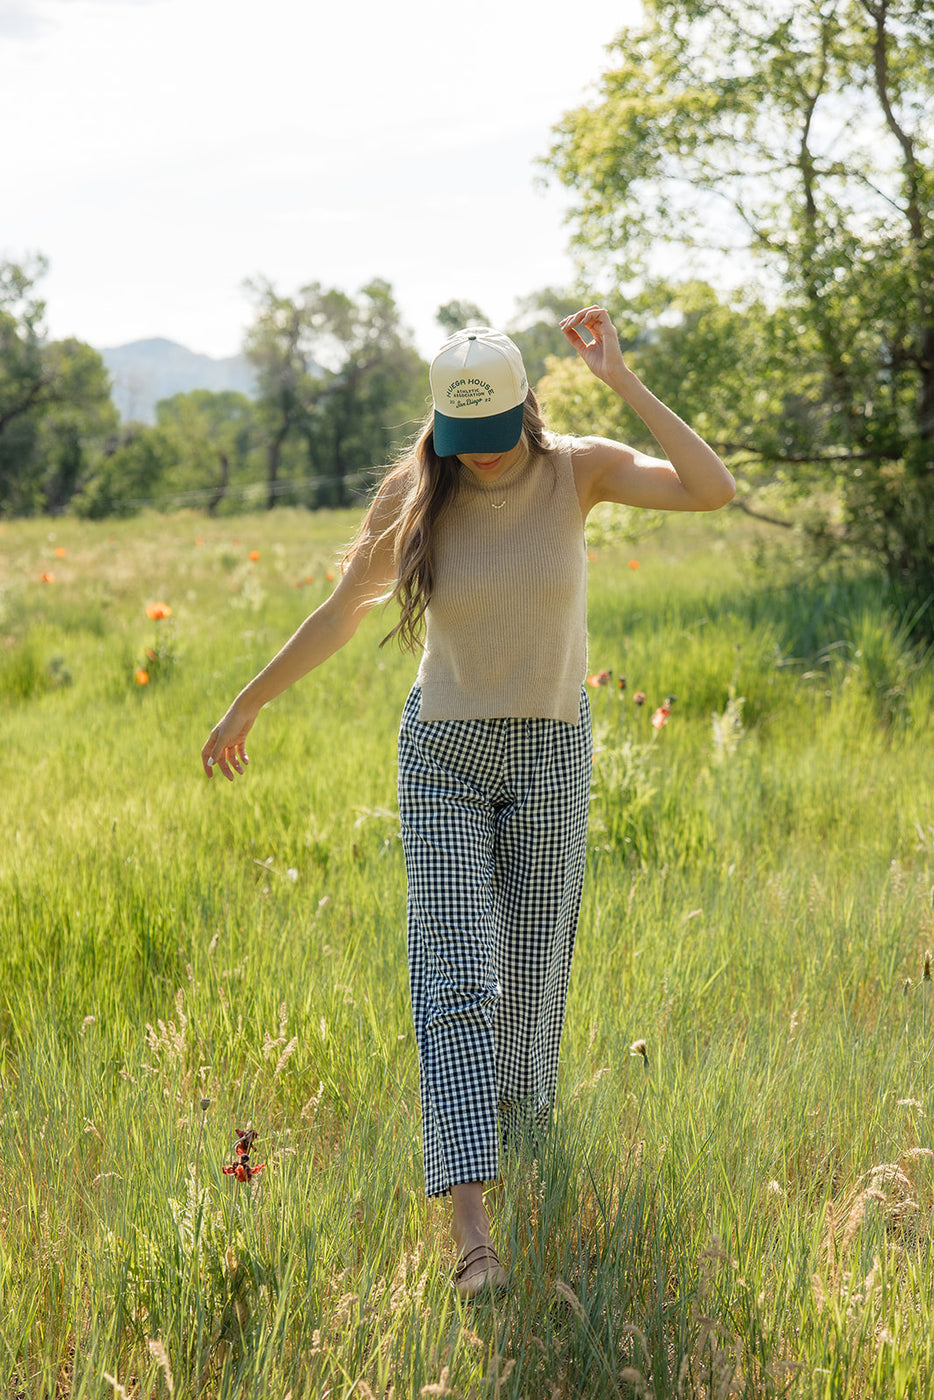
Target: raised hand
[{"x": 602, "y": 355}]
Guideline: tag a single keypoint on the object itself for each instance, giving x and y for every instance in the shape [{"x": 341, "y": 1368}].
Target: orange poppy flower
[
  {"x": 199, "y": 539},
  {"x": 601, "y": 678},
  {"x": 155, "y": 611},
  {"x": 142, "y": 677},
  {"x": 254, "y": 555},
  {"x": 330, "y": 576},
  {"x": 61, "y": 552},
  {"x": 633, "y": 563},
  {"x": 47, "y": 578},
  {"x": 660, "y": 717},
  {"x": 309, "y": 578}
]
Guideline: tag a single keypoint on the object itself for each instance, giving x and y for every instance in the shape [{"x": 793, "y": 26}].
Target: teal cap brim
[{"x": 500, "y": 432}]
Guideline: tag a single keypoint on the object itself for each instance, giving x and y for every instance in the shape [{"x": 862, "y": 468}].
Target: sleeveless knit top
[{"x": 506, "y": 627}]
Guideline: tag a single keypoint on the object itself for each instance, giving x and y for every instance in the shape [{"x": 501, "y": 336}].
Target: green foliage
[
  {"x": 749, "y": 1206},
  {"x": 55, "y": 409},
  {"x": 218, "y": 458},
  {"x": 535, "y": 329},
  {"x": 337, "y": 375},
  {"x": 794, "y": 135},
  {"x": 128, "y": 476},
  {"x": 453, "y": 316}
]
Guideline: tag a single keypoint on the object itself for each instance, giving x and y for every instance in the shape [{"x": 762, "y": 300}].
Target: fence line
[{"x": 358, "y": 483}]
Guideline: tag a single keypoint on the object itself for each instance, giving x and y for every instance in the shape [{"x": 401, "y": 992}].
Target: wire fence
[{"x": 358, "y": 484}]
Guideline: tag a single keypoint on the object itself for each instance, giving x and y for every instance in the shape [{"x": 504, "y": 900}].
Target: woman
[{"x": 479, "y": 534}]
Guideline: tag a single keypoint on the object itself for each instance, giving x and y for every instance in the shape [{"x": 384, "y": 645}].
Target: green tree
[
  {"x": 453, "y": 316},
  {"x": 202, "y": 448},
  {"x": 797, "y": 136},
  {"x": 22, "y": 380},
  {"x": 337, "y": 373},
  {"x": 374, "y": 396},
  {"x": 55, "y": 409},
  {"x": 216, "y": 438},
  {"x": 75, "y": 423},
  {"x": 129, "y": 474},
  {"x": 535, "y": 328}
]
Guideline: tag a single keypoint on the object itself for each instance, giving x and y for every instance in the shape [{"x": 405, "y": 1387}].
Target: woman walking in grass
[{"x": 478, "y": 533}]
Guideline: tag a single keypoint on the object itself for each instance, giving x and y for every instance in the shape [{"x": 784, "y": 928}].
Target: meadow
[{"x": 736, "y": 1195}]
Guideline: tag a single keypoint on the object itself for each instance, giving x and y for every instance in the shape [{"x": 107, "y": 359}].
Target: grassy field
[{"x": 746, "y": 1211}]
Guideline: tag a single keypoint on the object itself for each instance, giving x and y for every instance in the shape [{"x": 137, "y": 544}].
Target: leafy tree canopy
[
  {"x": 337, "y": 373},
  {"x": 453, "y": 316},
  {"x": 795, "y": 138},
  {"x": 55, "y": 409}
]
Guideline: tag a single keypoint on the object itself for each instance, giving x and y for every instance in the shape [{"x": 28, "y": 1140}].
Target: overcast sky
[{"x": 158, "y": 152}]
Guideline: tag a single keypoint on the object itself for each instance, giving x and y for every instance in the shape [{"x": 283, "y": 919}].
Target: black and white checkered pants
[{"x": 494, "y": 827}]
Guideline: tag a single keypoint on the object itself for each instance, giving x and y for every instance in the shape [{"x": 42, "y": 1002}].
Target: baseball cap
[{"x": 478, "y": 388}]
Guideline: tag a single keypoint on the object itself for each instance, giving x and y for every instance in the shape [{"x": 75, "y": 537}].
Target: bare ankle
[{"x": 470, "y": 1224}]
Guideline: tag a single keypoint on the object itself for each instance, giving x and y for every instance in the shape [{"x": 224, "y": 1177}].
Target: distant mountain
[{"x": 146, "y": 371}]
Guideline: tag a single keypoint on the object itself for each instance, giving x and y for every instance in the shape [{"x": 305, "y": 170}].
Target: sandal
[{"x": 480, "y": 1268}]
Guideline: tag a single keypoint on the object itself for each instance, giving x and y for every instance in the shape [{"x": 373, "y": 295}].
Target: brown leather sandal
[{"x": 477, "y": 1270}]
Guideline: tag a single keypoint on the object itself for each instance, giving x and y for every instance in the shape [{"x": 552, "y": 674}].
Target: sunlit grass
[{"x": 757, "y": 909}]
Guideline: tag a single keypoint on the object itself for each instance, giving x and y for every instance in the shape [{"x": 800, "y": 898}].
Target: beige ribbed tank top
[{"x": 506, "y": 627}]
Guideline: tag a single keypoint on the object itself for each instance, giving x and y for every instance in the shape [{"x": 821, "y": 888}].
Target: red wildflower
[
  {"x": 639, "y": 698},
  {"x": 46, "y": 578},
  {"x": 660, "y": 717},
  {"x": 242, "y": 1169},
  {"x": 142, "y": 677},
  {"x": 621, "y": 683},
  {"x": 156, "y": 611},
  {"x": 601, "y": 678},
  {"x": 245, "y": 1140},
  {"x": 253, "y": 555},
  {"x": 633, "y": 563},
  {"x": 61, "y": 552}
]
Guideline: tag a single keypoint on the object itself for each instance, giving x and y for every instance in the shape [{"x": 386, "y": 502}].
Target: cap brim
[{"x": 454, "y": 437}]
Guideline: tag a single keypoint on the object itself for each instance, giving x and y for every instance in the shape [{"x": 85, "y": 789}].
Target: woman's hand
[
  {"x": 602, "y": 355},
  {"x": 225, "y": 744},
  {"x": 690, "y": 476}
]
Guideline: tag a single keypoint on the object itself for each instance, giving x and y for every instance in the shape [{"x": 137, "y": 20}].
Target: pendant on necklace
[{"x": 497, "y": 505}]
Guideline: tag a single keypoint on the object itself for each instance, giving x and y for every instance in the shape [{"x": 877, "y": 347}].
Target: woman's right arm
[{"x": 368, "y": 576}]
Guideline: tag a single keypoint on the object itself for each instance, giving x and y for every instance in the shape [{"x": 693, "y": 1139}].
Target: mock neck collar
[{"x": 470, "y": 481}]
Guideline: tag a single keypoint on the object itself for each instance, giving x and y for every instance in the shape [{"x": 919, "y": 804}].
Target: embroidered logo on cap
[{"x": 469, "y": 393}]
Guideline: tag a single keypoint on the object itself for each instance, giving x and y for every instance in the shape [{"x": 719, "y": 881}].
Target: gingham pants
[{"x": 494, "y": 827}]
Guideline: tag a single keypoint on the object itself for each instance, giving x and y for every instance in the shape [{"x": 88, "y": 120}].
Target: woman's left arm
[{"x": 690, "y": 477}]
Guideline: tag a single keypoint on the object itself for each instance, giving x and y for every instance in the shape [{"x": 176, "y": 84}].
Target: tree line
[
  {"x": 754, "y": 192},
  {"x": 340, "y": 388}
]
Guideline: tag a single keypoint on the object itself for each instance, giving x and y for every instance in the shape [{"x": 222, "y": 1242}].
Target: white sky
[{"x": 158, "y": 152}]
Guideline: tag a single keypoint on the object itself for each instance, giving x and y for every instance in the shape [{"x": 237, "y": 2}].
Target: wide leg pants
[{"x": 494, "y": 828}]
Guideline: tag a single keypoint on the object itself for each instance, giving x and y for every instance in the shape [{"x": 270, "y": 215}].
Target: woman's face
[{"x": 490, "y": 466}]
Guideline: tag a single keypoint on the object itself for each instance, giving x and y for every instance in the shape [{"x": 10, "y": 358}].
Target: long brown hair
[{"x": 432, "y": 483}]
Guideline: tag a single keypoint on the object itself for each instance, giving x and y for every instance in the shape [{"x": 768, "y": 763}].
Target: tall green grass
[{"x": 746, "y": 1212}]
